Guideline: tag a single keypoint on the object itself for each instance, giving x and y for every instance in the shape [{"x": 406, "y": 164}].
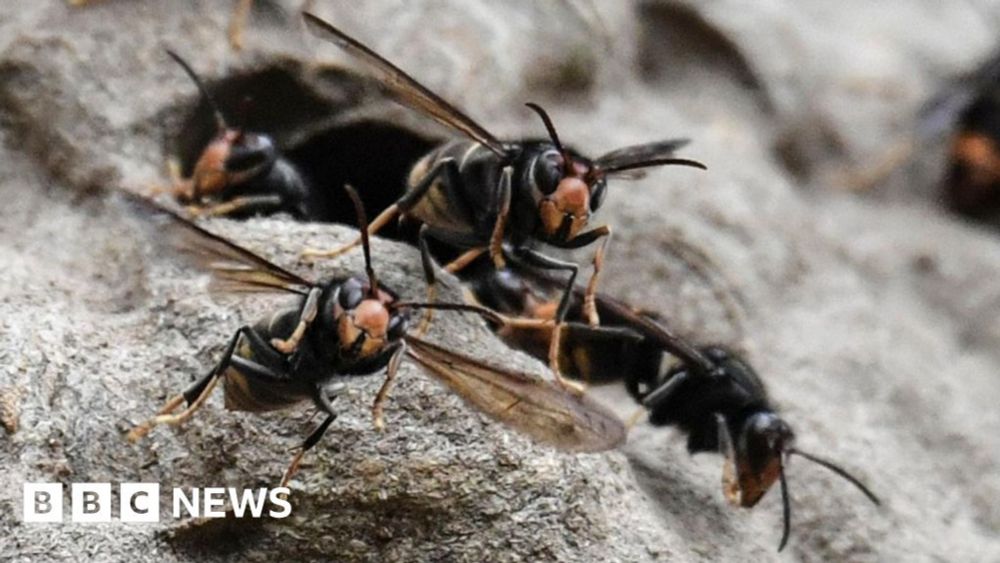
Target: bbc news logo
[{"x": 140, "y": 502}]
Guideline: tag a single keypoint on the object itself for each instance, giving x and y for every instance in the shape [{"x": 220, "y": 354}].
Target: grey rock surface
[{"x": 872, "y": 317}]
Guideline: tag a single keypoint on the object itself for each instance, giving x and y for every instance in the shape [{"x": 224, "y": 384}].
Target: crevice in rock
[
  {"x": 805, "y": 143},
  {"x": 373, "y": 156},
  {"x": 676, "y": 44},
  {"x": 28, "y": 121}
]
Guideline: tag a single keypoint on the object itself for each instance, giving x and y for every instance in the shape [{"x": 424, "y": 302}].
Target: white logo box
[
  {"x": 140, "y": 502},
  {"x": 91, "y": 502}
]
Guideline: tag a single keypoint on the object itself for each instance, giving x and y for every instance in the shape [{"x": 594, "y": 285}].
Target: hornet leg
[
  {"x": 179, "y": 188},
  {"x": 383, "y": 392},
  {"x": 495, "y": 247},
  {"x": 251, "y": 204},
  {"x": 589, "y": 307},
  {"x": 467, "y": 257},
  {"x": 427, "y": 261},
  {"x": 308, "y": 314},
  {"x": 539, "y": 260},
  {"x": 237, "y": 22},
  {"x": 196, "y": 394},
  {"x": 324, "y": 404},
  {"x": 503, "y": 212}
]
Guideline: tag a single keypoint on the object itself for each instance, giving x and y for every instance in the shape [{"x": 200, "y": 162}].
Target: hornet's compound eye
[
  {"x": 764, "y": 436},
  {"x": 548, "y": 171},
  {"x": 249, "y": 152},
  {"x": 397, "y": 327},
  {"x": 350, "y": 295},
  {"x": 597, "y": 193}
]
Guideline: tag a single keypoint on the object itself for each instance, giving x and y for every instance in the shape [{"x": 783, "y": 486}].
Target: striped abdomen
[
  {"x": 457, "y": 209},
  {"x": 246, "y": 392}
]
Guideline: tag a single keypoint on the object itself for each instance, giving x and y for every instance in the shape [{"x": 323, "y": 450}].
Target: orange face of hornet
[
  {"x": 974, "y": 178},
  {"x": 754, "y": 464},
  {"x": 210, "y": 176},
  {"x": 230, "y": 158},
  {"x": 565, "y": 210},
  {"x": 366, "y": 324}
]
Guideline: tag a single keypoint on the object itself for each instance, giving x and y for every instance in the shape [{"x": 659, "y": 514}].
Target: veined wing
[
  {"x": 540, "y": 409},
  {"x": 405, "y": 86},
  {"x": 233, "y": 268}
]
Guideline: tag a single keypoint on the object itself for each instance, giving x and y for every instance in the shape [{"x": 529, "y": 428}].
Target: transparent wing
[
  {"x": 542, "y": 410},
  {"x": 405, "y": 87},
  {"x": 234, "y": 268}
]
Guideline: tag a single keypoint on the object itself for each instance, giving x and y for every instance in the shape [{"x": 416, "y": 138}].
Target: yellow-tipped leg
[
  {"x": 174, "y": 171},
  {"x": 232, "y": 206},
  {"x": 554, "y": 348},
  {"x": 589, "y": 304},
  {"x": 141, "y": 430},
  {"x": 293, "y": 467},
  {"x": 496, "y": 253},
  {"x": 466, "y": 258},
  {"x": 378, "y": 406},
  {"x": 308, "y": 314},
  {"x": 179, "y": 187},
  {"x": 155, "y": 190},
  {"x": 637, "y": 417},
  {"x": 197, "y": 211},
  {"x": 312, "y": 254},
  {"x": 289, "y": 345},
  {"x": 496, "y": 238},
  {"x": 164, "y": 416},
  {"x": 383, "y": 219},
  {"x": 237, "y": 22}
]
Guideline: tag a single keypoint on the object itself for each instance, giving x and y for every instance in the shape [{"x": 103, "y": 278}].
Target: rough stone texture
[{"x": 873, "y": 317}]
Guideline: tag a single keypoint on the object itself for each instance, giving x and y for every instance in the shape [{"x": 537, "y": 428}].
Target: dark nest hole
[
  {"x": 316, "y": 134},
  {"x": 373, "y": 156}
]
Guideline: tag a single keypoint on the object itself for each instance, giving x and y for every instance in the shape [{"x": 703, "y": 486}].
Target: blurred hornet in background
[
  {"x": 710, "y": 393},
  {"x": 477, "y": 194},
  {"x": 239, "y": 173},
  {"x": 346, "y": 327},
  {"x": 972, "y": 184}
]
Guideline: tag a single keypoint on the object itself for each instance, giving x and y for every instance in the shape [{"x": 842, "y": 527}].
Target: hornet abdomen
[
  {"x": 245, "y": 391},
  {"x": 465, "y": 208}
]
